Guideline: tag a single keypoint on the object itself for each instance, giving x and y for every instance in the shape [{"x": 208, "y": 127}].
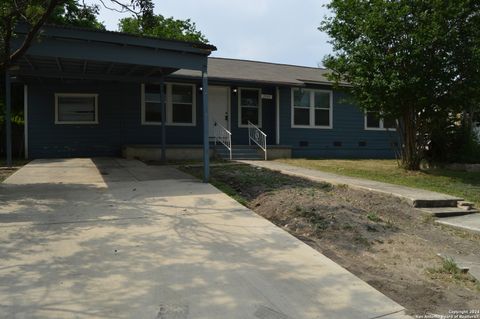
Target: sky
[{"x": 280, "y": 31}]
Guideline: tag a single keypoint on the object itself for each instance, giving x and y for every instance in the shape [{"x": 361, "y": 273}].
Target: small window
[
  {"x": 249, "y": 107},
  {"x": 375, "y": 122},
  {"x": 76, "y": 109},
  {"x": 311, "y": 108}
]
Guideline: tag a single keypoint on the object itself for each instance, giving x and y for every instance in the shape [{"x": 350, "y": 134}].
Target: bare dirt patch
[
  {"x": 5, "y": 172},
  {"x": 381, "y": 239}
]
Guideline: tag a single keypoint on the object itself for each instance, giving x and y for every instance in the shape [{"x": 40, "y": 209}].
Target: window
[
  {"x": 311, "y": 108},
  {"x": 374, "y": 122},
  {"x": 180, "y": 104},
  {"x": 250, "y": 108},
  {"x": 76, "y": 109},
  {"x": 180, "y": 108},
  {"x": 152, "y": 105}
]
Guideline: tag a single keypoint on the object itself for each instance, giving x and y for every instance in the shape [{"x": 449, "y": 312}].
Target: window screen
[{"x": 76, "y": 108}]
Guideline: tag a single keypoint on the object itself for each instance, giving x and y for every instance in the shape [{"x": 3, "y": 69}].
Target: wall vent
[{"x": 337, "y": 144}]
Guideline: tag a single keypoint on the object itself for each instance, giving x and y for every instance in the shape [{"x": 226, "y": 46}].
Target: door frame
[{"x": 229, "y": 104}]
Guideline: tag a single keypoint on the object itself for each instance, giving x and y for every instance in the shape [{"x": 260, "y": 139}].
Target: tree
[
  {"x": 72, "y": 13},
  {"x": 415, "y": 61},
  {"x": 159, "y": 26}
]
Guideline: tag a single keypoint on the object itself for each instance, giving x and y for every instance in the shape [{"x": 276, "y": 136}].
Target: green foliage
[
  {"x": 452, "y": 142},
  {"x": 72, "y": 13},
  {"x": 161, "y": 27},
  {"x": 416, "y": 61},
  {"x": 35, "y": 13}
]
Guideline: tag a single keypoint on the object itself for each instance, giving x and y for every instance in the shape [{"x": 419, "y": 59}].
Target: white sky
[{"x": 282, "y": 31}]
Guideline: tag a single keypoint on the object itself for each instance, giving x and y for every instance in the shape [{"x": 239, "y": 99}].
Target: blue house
[{"x": 99, "y": 93}]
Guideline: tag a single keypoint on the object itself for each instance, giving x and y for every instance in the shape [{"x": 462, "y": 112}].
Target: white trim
[
  {"x": 277, "y": 115},
  {"x": 312, "y": 109},
  {"x": 25, "y": 119},
  {"x": 169, "y": 105},
  {"x": 57, "y": 95},
  {"x": 239, "y": 120},
  {"x": 229, "y": 108},
  {"x": 381, "y": 128}
]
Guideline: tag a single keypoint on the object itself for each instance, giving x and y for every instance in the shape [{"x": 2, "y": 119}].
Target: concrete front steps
[
  {"x": 239, "y": 152},
  {"x": 463, "y": 216},
  {"x": 447, "y": 211},
  {"x": 449, "y": 208}
]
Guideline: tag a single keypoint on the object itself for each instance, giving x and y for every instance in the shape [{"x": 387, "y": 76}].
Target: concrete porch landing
[{"x": 416, "y": 197}]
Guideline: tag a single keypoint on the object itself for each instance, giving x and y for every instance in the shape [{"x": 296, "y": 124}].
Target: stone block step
[
  {"x": 447, "y": 211},
  {"x": 432, "y": 203}
]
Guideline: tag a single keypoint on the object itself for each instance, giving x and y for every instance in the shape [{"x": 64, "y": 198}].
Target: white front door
[{"x": 218, "y": 107}]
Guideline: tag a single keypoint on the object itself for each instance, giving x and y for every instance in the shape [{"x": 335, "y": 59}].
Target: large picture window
[
  {"x": 249, "y": 107},
  {"x": 180, "y": 104},
  {"x": 375, "y": 122},
  {"x": 76, "y": 108},
  {"x": 311, "y": 108}
]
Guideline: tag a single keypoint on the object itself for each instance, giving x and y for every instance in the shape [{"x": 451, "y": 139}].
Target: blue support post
[
  {"x": 8, "y": 119},
  {"x": 206, "y": 143},
  {"x": 164, "y": 121}
]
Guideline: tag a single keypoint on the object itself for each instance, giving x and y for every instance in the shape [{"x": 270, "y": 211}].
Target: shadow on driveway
[{"x": 133, "y": 241}]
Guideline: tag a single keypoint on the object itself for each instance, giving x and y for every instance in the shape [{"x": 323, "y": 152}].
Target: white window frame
[
  {"x": 381, "y": 128},
  {"x": 239, "y": 121},
  {"x": 57, "y": 95},
  {"x": 312, "y": 109},
  {"x": 169, "y": 105}
]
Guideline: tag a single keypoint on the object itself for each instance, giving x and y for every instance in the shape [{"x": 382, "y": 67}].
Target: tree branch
[{"x": 33, "y": 32}]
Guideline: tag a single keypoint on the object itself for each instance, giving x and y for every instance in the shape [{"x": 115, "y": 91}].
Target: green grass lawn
[{"x": 457, "y": 183}]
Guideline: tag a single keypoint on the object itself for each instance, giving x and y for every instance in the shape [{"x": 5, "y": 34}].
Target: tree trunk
[{"x": 411, "y": 156}]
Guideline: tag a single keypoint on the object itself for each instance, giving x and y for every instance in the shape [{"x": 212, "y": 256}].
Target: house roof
[
  {"x": 88, "y": 34},
  {"x": 261, "y": 72},
  {"x": 79, "y": 53}
]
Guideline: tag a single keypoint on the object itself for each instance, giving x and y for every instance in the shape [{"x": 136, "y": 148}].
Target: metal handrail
[
  {"x": 258, "y": 136},
  {"x": 223, "y": 135}
]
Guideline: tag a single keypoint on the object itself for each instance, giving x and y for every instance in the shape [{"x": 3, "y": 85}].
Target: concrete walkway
[
  {"x": 111, "y": 238},
  {"x": 466, "y": 222},
  {"x": 417, "y": 197}
]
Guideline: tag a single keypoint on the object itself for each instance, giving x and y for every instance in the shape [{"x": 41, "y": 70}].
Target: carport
[{"x": 75, "y": 53}]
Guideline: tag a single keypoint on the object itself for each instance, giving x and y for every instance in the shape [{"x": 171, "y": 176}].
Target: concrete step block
[
  {"x": 432, "y": 203},
  {"x": 447, "y": 211}
]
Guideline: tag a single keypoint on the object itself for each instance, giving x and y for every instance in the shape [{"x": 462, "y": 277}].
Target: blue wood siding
[
  {"x": 348, "y": 129},
  {"x": 119, "y": 115},
  {"x": 119, "y": 108}
]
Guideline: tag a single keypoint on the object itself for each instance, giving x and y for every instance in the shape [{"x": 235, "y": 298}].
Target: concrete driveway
[{"x": 110, "y": 238}]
